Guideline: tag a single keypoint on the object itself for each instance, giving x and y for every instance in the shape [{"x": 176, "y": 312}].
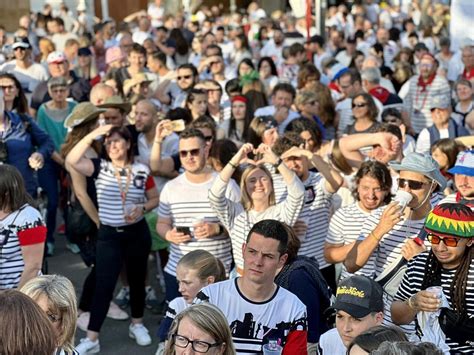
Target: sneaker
[
  {"x": 73, "y": 248},
  {"x": 87, "y": 346},
  {"x": 151, "y": 302},
  {"x": 49, "y": 249},
  {"x": 83, "y": 321},
  {"x": 140, "y": 334},
  {"x": 116, "y": 313},
  {"x": 123, "y": 297}
]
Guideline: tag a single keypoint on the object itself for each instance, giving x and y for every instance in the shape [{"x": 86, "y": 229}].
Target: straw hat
[
  {"x": 135, "y": 80},
  {"x": 116, "y": 102},
  {"x": 82, "y": 113}
]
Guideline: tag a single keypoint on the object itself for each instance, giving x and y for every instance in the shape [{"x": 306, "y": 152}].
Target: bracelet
[
  {"x": 371, "y": 234},
  {"x": 232, "y": 165},
  {"x": 410, "y": 304},
  {"x": 157, "y": 142}
]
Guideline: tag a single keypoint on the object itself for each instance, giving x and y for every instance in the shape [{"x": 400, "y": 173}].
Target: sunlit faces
[
  {"x": 270, "y": 136},
  {"x": 192, "y": 162},
  {"x": 10, "y": 91},
  {"x": 345, "y": 85},
  {"x": 199, "y": 105},
  {"x": 419, "y": 195},
  {"x": 371, "y": 195},
  {"x": 114, "y": 117},
  {"x": 21, "y": 53},
  {"x": 59, "y": 93},
  {"x": 309, "y": 143},
  {"x": 189, "y": 284},
  {"x": 359, "y": 107},
  {"x": 311, "y": 107},
  {"x": 441, "y": 158},
  {"x": 244, "y": 69},
  {"x": 238, "y": 110},
  {"x": 258, "y": 185},
  {"x": 136, "y": 59},
  {"x": 262, "y": 259},
  {"x": 265, "y": 69},
  {"x": 282, "y": 99},
  {"x": 117, "y": 147},
  {"x": 299, "y": 165},
  {"x": 427, "y": 67},
  {"x": 450, "y": 257},
  {"x": 185, "y": 78},
  {"x": 465, "y": 185},
  {"x": 58, "y": 69},
  {"x": 144, "y": 116},
  {"x": 192, "y": 332},
  {"x": 349, "y": 327},
  {"x": 463, "y": 92},
  {"x": 440, "y": 116}
]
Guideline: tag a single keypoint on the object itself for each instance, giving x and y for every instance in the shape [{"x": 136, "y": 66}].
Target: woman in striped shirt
[
  {"x": 125, "y": 192},
  {"x": 258, "y": 197}
]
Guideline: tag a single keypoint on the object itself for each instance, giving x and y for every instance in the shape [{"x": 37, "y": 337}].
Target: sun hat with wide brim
[
  {"x": 116, "y": 102},
  {"x": 82, "y": 113},
  {"x": 135, "y": 80},
  {"x": 421, "y": 164}
]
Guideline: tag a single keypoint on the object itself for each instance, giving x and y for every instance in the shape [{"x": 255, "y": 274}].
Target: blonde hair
[
  {"x": 246, "y": 199},
  {"x": 305, "y": 96},
  {"x": 205, "y": 264},
  {"x": 61, "y": 299},
  {"x": 207, "y": 318}
]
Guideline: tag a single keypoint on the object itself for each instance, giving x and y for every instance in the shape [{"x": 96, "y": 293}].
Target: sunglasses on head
[
  {"x": 412, "y": 184},
  {"x": 362, "y": 104},
  {"x": 448, "y": 241},
  {"x": 192, "y": 152}
]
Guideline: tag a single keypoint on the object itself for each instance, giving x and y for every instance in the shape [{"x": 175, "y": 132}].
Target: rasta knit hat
[{"x": 451, "y": 220}]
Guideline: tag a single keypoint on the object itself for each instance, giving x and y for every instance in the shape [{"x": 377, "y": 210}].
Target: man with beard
[{"x": 187, "y": 76}]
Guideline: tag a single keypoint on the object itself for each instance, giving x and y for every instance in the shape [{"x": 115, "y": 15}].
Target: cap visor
[
  {"x": 463, "y": 170},
  {"x": 354, "y": 310},
  {"x": 20, "y": 45}
]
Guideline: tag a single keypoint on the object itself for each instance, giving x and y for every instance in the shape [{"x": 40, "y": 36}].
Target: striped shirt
[
  {"x": 238, "y": 221},
  {"x": 111, "y": 208},
  {"x": 345, "y": 228},
  {"x": 413, "y": 280},
  {"x": 418, "y": 103},
  {"x": 389, "y": 249},
  {"x": 315, "y": 214},
  {"x": 24, "y": 227},
  {"x": 185, "y": 203}
]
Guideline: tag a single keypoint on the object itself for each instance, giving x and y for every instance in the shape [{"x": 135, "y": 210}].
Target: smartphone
[
  {"x": 185, "y": 230},
  {"x": 178, "y": 125}
]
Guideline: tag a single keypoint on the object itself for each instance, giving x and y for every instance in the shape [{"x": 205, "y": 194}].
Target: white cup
[
  {"x": 403, "y": 198},
  {"x": 436, "y": 290},
  {"x": 272, "y": 349}
]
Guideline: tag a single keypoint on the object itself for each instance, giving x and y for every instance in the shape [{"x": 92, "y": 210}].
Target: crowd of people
[{"x": 301, "y": 192}]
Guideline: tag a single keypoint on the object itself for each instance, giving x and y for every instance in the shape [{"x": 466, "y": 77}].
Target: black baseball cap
[{"x": 359, "y": 296}]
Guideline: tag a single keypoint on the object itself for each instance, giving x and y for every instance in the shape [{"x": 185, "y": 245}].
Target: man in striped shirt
[
  {"x": 449, "y": 265},
  {"x": 185, "y": 216},
  {"x": 423, "y": 88}
]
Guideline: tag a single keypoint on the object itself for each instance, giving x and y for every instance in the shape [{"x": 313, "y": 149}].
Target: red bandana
[
  {"x": 423, "y": 83},
  {"x": 380, "y": 93},
  {"x": 468, "y": 74}
]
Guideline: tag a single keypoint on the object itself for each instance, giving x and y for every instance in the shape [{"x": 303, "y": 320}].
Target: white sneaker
[
  {"x": 123, "y": 297},
  {"x": 140, "y": 334},
  {"x": 83, "y": 321},
  {"x": 116, "y": 313},
  {"x": 87, "y": 346}
]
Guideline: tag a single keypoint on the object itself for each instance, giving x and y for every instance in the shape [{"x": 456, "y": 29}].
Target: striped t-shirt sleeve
[{"x": 225, "y": 209}]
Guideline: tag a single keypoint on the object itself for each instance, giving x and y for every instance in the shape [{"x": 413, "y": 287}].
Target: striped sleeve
[
  {"x": 164, "y": 208},
  {"x": 225, "y": 209},
  {"x": 335, "y": 232},
  {"x": 290, "y": 209}
]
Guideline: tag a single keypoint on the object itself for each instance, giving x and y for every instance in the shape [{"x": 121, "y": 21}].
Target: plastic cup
[
  {"x": 436, "y": 290},
  {"x": 403, "y": 198},
  {"x": 127, "y": 211},
  {"x": 272, "y": 349}
]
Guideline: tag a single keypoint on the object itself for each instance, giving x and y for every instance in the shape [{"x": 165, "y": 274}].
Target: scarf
[
  {"x": 380, "y": 93},
  {"x": 423, "y": 84}
]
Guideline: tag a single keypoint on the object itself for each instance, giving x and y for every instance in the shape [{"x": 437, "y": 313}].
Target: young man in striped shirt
[{"x": 450, "y": 265}]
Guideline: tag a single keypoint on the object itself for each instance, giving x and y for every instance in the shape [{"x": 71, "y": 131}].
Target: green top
[{"x": 52, "y": 121}]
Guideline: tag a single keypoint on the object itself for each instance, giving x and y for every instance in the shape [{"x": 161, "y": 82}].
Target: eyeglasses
[
  {"x": 392, "y": 120},
  {"x": 412, "y": 184},
  {"x": 186, "y": 77},
  {"x": 197, "y": 345},
  {"x": 448, "y": 241},
  {"x": 192, "y": 152},
  {"x": 58, "y": 91},
  {"x": 53, "y": 317},
  {"x": 362, "y": 104},
  {"x": 7, "y": 87}
]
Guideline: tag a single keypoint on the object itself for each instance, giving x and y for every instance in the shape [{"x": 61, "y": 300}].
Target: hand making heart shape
[{"x": 263, "y": 152}]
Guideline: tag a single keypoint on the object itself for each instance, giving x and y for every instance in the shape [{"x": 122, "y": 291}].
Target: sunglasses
[
  {"x": 393, "y": 120},
  {"x": 448, "y": 241},
  {"x": 186, "y": 77},
  {"x": 192, "y": 152},
  {"x": 363, "y": 104},
  {"x": 412, "y": 184}
]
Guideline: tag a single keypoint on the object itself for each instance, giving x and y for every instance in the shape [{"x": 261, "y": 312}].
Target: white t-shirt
[
  {"x": 29, "y": 78},
  {"x": 423, "y": 143},
  {"x": 330, "y": 343}
]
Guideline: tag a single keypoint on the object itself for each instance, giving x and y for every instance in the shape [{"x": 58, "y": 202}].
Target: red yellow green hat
[{"x": 452, "y": 220}]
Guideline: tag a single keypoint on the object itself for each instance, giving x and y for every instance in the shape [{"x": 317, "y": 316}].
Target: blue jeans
[{"x": 48, "y": 179}]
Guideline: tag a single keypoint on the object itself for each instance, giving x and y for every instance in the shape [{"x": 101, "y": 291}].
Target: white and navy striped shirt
[
  {"x": 24, "y": 227},
  {"x": 238, "y": 221},
  {"x": 111, "y": 208},
  {"x": 345, "y": 228},
  {"x": 315, "y": 213},
  {"x": 185, "y": 203},
  {"x": 413, "y": 280}
]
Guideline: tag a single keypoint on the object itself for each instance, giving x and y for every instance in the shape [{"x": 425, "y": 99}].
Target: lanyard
[
  {"x": 417, "y": 94},
  {"x": 123, "y": 191}
]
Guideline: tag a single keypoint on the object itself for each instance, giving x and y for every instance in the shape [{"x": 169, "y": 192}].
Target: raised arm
[
  {"x": 159, "y": 166},
  {"x": 76, "y": 157}
]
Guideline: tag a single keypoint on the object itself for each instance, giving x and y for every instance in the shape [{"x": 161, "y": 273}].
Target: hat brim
[
  {"x": 462, "y": 170},
  {"x": 21, "y": 45},
  {"x": 72, "y": 121},
  {"x": 126, "y": 106},
  {"x": 431, "y": 231},
  {"x": 57, "y": 61},
  {"x": 434, "y": 175},
  {"x": 354, "y": 310}
]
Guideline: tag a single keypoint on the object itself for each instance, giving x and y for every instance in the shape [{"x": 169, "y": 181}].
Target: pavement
[{"x": 114, "y": 337}]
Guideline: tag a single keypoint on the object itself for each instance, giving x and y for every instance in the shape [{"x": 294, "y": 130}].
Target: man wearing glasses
[
  {"x": 185, "y": 216},
  {"x": 391, "y": 230},
  {"x": 442, "y": 271},
  {"x": 187, "y": 77}
]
